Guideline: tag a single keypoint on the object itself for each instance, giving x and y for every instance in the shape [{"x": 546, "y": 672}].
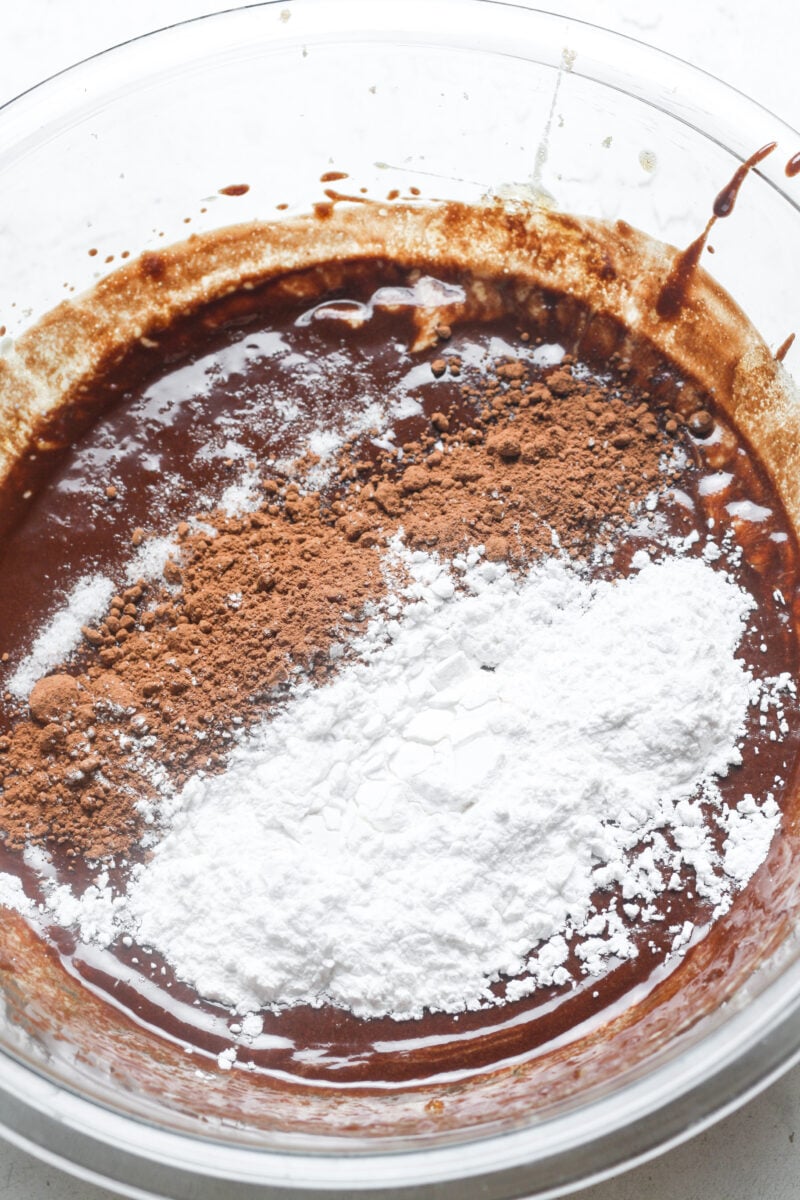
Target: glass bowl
[{"x": 460, "y": 99}]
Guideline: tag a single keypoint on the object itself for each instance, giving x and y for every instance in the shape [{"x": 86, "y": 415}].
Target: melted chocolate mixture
[
  {"x": 261, "y": 380},
  {"x": 673, "y": 294}
]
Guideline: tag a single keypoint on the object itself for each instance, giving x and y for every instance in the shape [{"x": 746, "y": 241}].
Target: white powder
[
  {"x": 325, "y": 441},
  {"x": 406, "y": 835},
  {"x": 241, "y": 497},
  {"x": 150, "y": 559},
  {"x": 86, "y": 602},
  {"x": 12, "y": 895},
  {"x": 85, "y": 605}
]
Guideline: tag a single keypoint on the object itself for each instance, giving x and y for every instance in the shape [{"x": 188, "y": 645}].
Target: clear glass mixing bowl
[{"x": 458, "y": 98}]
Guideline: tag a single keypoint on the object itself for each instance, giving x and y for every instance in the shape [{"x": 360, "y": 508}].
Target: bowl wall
[{"x": 462, "y": 100}]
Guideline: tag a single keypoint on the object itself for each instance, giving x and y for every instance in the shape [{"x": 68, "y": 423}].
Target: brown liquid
[
  {"x": 785, "y": 347},
  {"x": 723, "y": 205},
  {"x": 673, "y": 293},
  {"x": 163, "y": 438},
  {"x": 793, "y": 166}
]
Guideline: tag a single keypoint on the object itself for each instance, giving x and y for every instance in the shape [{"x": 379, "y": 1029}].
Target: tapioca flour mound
[{"x": 428, "y": 830}]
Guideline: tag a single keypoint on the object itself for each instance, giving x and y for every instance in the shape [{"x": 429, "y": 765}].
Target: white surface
[{"x": 752, "y": 46}]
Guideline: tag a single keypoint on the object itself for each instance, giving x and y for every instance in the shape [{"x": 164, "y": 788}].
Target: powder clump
[{"x": 449, "y": 802}]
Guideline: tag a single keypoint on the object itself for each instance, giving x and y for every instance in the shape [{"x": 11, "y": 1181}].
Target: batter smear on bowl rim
[{"x": 399, "y": 649}]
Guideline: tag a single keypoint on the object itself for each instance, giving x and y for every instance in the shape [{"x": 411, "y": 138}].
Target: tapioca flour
[{"x": 428, "y": 829}]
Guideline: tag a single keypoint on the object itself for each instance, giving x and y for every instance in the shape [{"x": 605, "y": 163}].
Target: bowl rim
[{"x": 677, "y": 1098}]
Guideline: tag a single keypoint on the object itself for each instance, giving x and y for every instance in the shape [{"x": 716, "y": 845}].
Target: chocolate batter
[
  {"x": 127, "y": 423},
  {"x": 259, "y": 372}
]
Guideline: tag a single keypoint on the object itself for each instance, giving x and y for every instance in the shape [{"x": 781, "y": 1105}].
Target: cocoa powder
[{"x": 179, "y": 668}]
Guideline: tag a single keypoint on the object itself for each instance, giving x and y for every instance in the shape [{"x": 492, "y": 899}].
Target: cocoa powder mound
[
  {"x": 563, "y": 456},
  {"x": 178, "y": 669}
]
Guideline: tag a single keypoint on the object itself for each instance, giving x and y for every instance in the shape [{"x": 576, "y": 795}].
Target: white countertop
[{"x": 753, "y": 46}]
